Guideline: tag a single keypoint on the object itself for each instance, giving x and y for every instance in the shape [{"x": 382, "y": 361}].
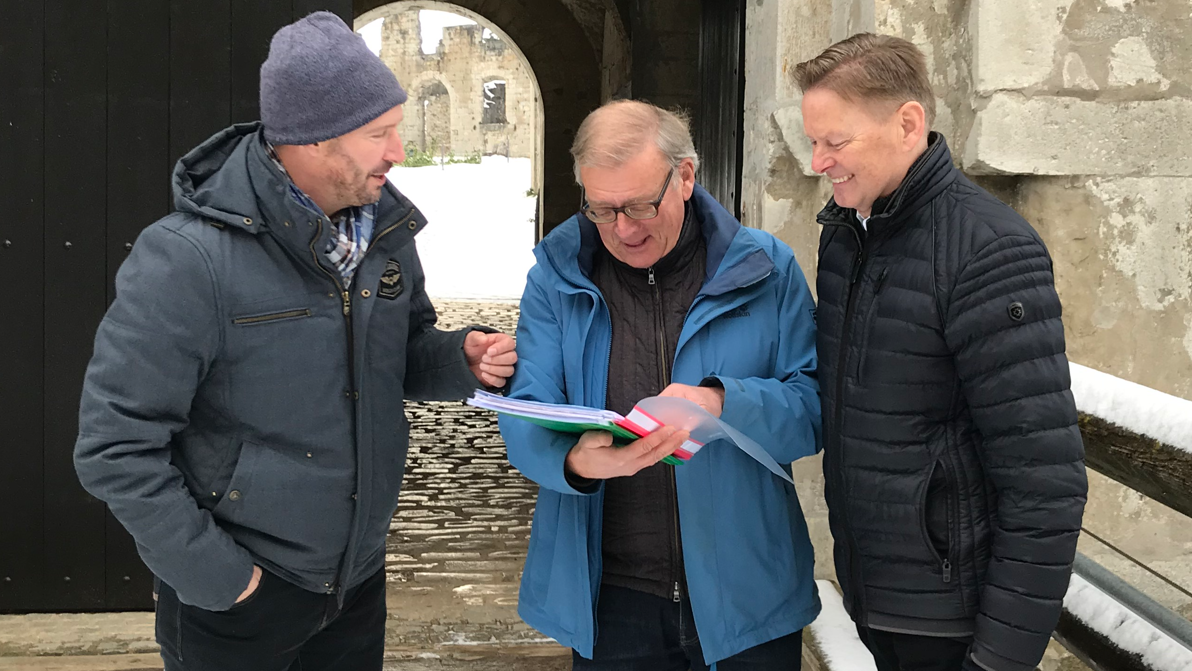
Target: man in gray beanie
[{"x": 242, "y": 413}]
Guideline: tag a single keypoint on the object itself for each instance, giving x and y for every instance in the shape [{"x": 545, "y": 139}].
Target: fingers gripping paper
[
  {"x": 647, "y": 416},
  {"x": 704, "y": 428}
]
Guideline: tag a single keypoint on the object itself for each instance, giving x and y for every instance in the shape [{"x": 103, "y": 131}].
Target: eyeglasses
[{"x": 607, "y": 215}]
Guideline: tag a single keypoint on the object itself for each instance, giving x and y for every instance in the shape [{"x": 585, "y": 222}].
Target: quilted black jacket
[{"x": 953, "y": 461}]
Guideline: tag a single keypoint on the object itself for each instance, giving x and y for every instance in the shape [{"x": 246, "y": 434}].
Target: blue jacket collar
[{"x": 735, "y": 259}]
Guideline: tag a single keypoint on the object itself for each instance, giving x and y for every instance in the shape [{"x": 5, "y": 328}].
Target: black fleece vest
[{"x": 641, "y": 541}]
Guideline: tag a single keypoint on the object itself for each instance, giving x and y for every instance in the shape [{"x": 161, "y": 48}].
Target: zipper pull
[
  {"x": 676, "y": 597},
  {"x": 347, "y": 304},
  {"x": 651, "y": 282},
  {"x": 860, "y": 263},
  {"x": 881, "y": 279},
  {"x": 947, "y": 571}
]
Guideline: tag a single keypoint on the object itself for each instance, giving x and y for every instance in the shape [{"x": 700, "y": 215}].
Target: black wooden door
[
  {"x": 97, "y": 101},
  {"x": 690, "y": 55},
  {"x": 719, "y": 129}
]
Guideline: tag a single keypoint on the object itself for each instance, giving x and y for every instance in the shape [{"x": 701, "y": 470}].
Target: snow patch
[
  {"x": 1123, "y": 628},
  {"x": 836, "y": 634},
  {"x": 1140, "y": 409},
  {"x": 479, "y": 240},
  {"x": 461, "y": 638}
]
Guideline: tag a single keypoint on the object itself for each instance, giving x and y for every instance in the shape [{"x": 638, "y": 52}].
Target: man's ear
[
  {"x": 912, "y": 120},
  {"x": 687, "y": 177}
]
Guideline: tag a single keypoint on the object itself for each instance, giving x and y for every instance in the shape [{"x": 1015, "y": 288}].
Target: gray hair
[{"x": 620, "y": 129}]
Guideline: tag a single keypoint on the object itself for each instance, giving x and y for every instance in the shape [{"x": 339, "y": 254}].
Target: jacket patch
[
  {"x": 1017, "y": 312},
  {"x": 741, "y": 311},
  {"x": 391, "y": 283}
]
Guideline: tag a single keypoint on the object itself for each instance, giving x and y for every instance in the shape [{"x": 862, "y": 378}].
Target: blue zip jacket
[{"x": 747, "y": 555}]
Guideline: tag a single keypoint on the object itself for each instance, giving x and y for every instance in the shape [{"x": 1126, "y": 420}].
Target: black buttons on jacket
[{"x": 1017, "y": 312}]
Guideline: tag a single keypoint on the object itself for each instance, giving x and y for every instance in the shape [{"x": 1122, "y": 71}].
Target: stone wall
[
  {"x": 1074, "y": 111},
  {"x": 1077, "y": 113},
  {"x": 447, "y": 88}
]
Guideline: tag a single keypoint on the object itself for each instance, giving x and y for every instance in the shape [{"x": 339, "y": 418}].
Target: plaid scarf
[{"x": 353, "y": 227}]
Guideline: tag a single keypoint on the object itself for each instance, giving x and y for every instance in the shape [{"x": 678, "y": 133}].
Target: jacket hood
[{"x": 213, "y": 180}]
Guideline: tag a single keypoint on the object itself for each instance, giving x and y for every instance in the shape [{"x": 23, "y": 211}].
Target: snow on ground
[
  {"x": 836, "y": 635},
  {"x": 1132, "y": 406},
  {"x": 1126, "y": 630},
  {"x": 480, "y": 236}
]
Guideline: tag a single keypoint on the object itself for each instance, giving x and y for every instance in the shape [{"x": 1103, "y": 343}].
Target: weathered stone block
[
  {"x": 1122, "y": 252},
  {"x": 1066, "y": 136},
  {"x": 789, "y": 121},
  {"x": 1015, "y": 42}
]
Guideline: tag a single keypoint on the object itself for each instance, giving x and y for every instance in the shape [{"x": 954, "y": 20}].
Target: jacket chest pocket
[
  {"x": 276, "y": 352},
  {"x": 267, "y": 317},
  {"x": 868, "y": 326}
]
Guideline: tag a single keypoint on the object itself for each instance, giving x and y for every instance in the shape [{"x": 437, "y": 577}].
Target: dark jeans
[
  {"x": 907, "y": 652},
  {"x": 642, "y": 632},
  {"x": 279, "y": 627}
]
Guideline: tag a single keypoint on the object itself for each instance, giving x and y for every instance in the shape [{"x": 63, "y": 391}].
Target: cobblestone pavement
[{"x": 458, "y": 541}]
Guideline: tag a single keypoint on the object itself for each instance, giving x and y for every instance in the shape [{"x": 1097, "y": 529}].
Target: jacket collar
[
  {"x": 927, "y": 177},
  {"x": 230, "y": 179},
  {"x": 734, "y": 258},
  {"x": 683, "y": 252}
]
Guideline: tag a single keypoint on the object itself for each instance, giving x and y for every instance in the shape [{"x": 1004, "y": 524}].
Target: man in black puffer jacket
[{"x": 953, "y": 462}]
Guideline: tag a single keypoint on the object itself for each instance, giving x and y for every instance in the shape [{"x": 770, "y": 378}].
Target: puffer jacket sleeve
[
  {"x": 153, "y": 348},
  {"x": 1007, "y": 339},
  {"x": 436, "y": 368},
  {"x": 539, "y": 453},
  {"x": 782, "y": 412}
]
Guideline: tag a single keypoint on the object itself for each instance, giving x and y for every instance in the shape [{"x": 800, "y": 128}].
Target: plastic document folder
[
  {"x": 578, "y": 419},
  {"x": 647, "y": 416}
]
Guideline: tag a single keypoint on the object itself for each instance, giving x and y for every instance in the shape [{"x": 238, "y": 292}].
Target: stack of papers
[{"x": 578, "y": 419}]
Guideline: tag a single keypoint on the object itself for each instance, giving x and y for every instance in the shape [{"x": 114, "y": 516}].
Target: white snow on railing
[
  {"x": 836, "y": 634},
  {"x": 1140, "y": 409},
  {"x": 1103, "y": 614}
]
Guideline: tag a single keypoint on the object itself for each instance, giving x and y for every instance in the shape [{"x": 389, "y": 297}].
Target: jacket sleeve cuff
[{"x": 579, "y": 483}]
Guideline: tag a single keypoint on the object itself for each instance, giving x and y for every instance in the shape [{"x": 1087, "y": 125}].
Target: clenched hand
[{"x": 490, "y": 357}]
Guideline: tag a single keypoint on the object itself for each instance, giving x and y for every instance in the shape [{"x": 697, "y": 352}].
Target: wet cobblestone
[{"x": 458, "y": 540}]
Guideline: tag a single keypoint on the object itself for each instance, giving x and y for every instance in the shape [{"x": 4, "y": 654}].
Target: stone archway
[{"x": 557, "y": 52}]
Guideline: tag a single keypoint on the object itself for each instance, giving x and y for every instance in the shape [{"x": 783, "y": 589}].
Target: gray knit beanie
[{"x": 321, "y": 81}]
